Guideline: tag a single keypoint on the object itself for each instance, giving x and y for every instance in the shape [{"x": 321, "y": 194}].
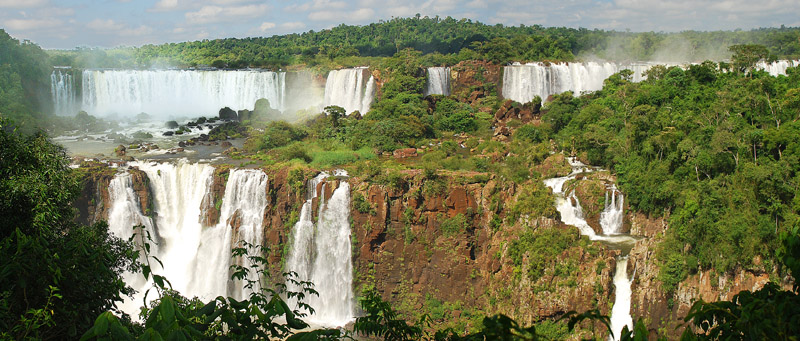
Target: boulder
[
  {"x": 169, "y": 133},
  {"x": 228, "y": 114},
  {"x": 120, "y": 151}
]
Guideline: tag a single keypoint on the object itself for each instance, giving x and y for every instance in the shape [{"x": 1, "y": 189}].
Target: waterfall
[
  {"x": 621, "y": 312},
  {"x": 196, "y": 259},
  {"x": 62, "y": 90},
  {"x": 611, "y": 217},
  {"x": 522, "y": 83},
  {"x": 778, "y": 67},
  {"x": 165, "y": 94},
  {"x": 321, "y": 254},
  {"x": 125, "y": 213},
  {"x": 571, "y": 212},
  {"x": 438, "y": 81},
  {"x": 347, "y": 88}
]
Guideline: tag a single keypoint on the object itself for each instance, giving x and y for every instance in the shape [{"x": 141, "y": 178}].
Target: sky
[{"x": 67, "y": 24}]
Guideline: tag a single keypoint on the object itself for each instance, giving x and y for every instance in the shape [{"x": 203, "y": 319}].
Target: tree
[
  {"x": 55, "y": 274},
  {"x": 746, "y": 56}
]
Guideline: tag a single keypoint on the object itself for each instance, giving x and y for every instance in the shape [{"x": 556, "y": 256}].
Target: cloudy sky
[{"x": 109, "y": 23}]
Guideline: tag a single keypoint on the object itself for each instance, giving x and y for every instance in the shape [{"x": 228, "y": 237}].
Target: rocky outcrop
[
  {"x": 511, "y": 110},
  {"x": 591, "y": 189},
  {"x": 473, "y": 80},
  {"x": 555, "y": 165},
  {"x": 662, "y": 312}
]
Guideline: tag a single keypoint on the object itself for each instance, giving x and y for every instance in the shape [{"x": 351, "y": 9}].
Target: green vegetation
[
  {"x": 442, "y": 40},
  {"x": 56, "y": 276},
  {"x": 710, "y": 150}
]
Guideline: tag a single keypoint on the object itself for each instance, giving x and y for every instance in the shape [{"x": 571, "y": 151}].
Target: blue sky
[{"x": 109, "y": 23}]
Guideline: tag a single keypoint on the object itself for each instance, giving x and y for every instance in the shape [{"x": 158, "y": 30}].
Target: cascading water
[
  {"x": 348, "y": 89},
  {"x": 321, "y": 254},
  {"x": 438, "y": 81},
  {"x": 571, "y": 212},
  {"x": 165, "y": 94},
  {"x": 777, "y": 67},
  {"x": 523, "y": 82},
  {"x": 125, "y": 213},
  {"x": 611, "y": 217},
  {"x": 62, "y": 90},
  {"x": 196, "y": 259},
  {"x": 621, "y": 312}
]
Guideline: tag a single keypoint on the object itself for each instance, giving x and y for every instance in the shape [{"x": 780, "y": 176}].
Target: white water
[
  {"x": 621, "y": 312},
  {"x": 62, "y": 90},
  {"x": 612, "y": 215},
  {"x": 196, "y": 259},
  {"x": 123, "y": 215},
  {"x": 321, "y": 253},
  {"x": 438, "y": 81},
  {"x": 350, "y": 89},
  {"x": 778, "y": 67},
  {"x": 522, "y": 83},
  {"x": 166, "y": 94}
]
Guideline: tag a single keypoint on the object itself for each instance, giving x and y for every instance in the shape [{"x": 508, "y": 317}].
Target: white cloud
[
  {"x": 165, "y": 5},
  {"x": 31, "y": 24},
  {"x": 319, "y": 5},
  {"x": 104, "y": 25},
  {"x": 266, "y": 26},
  {"x": 477, "y": 4},
  {"x": 214, "y": 14},
  {"x": 22, "y": 3}
]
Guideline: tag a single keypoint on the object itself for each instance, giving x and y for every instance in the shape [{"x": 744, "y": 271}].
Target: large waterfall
[
  {"x": 350, "y": 89},
  {"x": 321, "y": 254},
  {"x": 522, "y": 83},
  {"x": 165, "y": 94},
  {"x": 611, "y": 220},
  {"x": 62, "y": 89},
  {"x": 196, "y": 258},
  {"x": 438, "y": 82}
]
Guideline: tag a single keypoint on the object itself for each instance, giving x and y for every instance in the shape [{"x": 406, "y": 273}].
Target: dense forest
[
  {"x": 446, "y": 40},
  {"x": 711, "y": 148}
]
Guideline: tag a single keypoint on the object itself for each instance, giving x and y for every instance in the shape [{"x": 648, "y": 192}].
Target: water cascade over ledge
[
  {"x": 350, "y": 89},
  {"x": 196, "y": 258},
  {"x": 321, "y": 253},
  {"x": 62, "y": 90},
  {"x": 438, "y": 81},
  {"x": 165, "y": 94},
  {"x": 611, "y": 220}
]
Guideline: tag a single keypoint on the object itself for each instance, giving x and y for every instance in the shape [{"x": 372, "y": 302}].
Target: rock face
[
  {"x": 469, "y": 80},
  {"x": 404, "y": 153}
]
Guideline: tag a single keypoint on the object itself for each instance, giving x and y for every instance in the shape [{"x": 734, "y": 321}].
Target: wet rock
[
  {"x": 120, "y": 150},
  {"x": 226, "y": 144},
  {"x": 227, "y": 113},
  {"x": 169, "y": 133}
]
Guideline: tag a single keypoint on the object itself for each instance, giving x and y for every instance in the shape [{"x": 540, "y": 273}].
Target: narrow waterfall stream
[
  {"x": 196, "y": 258},
  {"x": 321, "y": 253},
  {"x": 611, "y": 220},
  {"x": 438, "y": 81}
]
